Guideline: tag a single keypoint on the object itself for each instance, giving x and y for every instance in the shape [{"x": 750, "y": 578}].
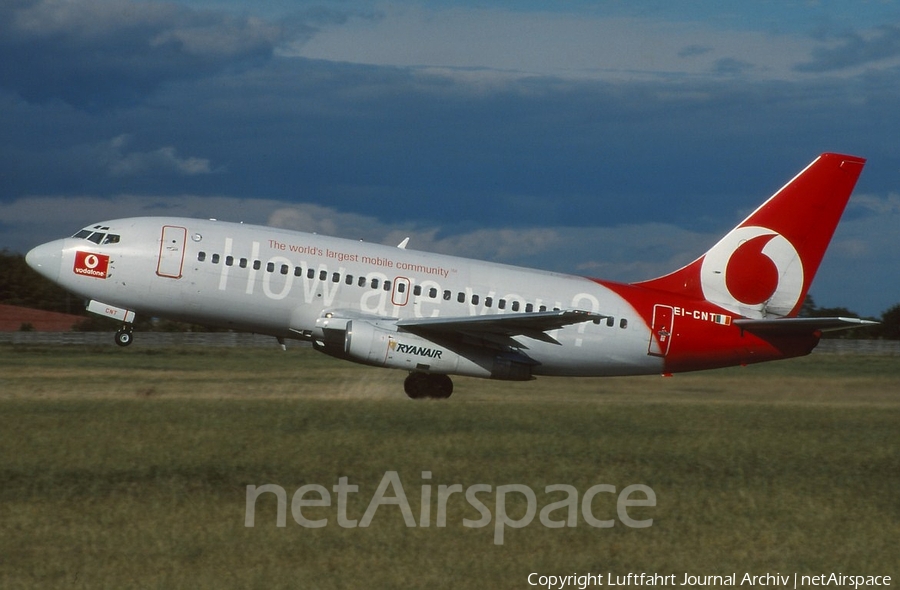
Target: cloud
[
  {"x": 581, "y": 45},
  {"x": 37, "y": 219},
  {"x": 860, "y": 270},
  {"x": 855, "y": 49},
  {"x": 164, "y": 160},
  {"x": 887, "y": 205},
  {"x": 731, "y": 67},
  {"x": 694, "y": 50},
  {"x": 102, "y": 53},
  {"x": 608, "y": 252}
]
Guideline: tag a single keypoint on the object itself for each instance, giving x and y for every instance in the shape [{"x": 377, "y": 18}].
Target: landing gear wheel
[
  {"x": 442, "y": 386},
  {"x": 124, "y": 336},
  {"x": 423, "y": 385}
]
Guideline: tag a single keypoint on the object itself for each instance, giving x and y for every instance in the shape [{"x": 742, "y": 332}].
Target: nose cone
[{"x": 46, "y": 259}]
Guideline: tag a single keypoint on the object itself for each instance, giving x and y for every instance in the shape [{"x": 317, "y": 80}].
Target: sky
[{"x": 616, "y": 139}]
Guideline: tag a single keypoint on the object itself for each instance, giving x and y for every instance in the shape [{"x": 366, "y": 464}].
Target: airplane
[{"x": 435, "y": 315}]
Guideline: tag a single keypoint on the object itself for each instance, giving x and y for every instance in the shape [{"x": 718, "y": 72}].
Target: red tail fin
[{"x": 764, "y": 266}]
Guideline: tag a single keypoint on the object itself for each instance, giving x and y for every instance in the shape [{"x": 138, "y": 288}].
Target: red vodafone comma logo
[
  {"x": 91, "y": 265},
  {"x": 753, "y": 271},
  {"x": 751, "y": 276}
]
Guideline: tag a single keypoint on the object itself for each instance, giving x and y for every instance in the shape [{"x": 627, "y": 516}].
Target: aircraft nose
[{"x": 46, "y": 259}]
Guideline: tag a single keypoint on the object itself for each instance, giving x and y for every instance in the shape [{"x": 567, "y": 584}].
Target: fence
[
  {"x": 242, "y": 340},
  {"x": 147, "y": 339}
]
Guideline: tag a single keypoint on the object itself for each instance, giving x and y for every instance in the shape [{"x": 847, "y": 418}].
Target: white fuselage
[{"x": 287, "y": 284}]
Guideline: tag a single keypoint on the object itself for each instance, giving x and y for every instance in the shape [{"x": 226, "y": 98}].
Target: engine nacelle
[{"x": 383, "y": 346}]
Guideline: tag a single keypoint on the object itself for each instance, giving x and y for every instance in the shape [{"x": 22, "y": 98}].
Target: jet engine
[{"x": 380, "y": 344}]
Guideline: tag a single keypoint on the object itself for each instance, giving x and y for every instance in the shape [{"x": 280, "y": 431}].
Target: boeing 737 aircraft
[{"x": 436, "y": 315}]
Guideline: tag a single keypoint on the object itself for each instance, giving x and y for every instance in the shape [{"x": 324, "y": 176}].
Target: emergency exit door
[
  {"x": 171, "y": 251},
  {"x": 661, "y": 330}
]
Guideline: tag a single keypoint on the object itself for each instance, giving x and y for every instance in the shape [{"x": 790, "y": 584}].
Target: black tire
[
  {"x": 441, "y": 386},
  {"x": 427, "y": 385},
  {"x": 416, "y": 385},
  {"x": 124, "y": 337}
]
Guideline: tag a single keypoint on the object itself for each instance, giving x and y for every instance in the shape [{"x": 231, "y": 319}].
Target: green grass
[{"x": 128, "y": 468}]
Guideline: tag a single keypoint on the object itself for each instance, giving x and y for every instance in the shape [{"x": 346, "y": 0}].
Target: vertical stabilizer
[{"x": 764, "y": 267}]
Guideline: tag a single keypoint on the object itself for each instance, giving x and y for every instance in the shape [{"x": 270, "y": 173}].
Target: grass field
[{"x": 128, "y": 468}]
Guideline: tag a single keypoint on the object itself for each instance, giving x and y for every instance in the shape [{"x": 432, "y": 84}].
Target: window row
[{"x": 374, "y": 283}]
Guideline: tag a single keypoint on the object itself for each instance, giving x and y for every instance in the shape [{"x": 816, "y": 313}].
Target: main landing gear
[
  {"x": 125, "y": 335},
  {"x": 424, "y": 385}
]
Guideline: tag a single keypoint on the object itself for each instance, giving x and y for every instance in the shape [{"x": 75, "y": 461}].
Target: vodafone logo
[
  {"x": 91, "y": 265},
  {"x": 753, "y": 271}
]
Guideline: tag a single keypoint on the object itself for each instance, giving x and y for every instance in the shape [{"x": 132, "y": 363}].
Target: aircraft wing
[
  {"x": 500, "y": 328},
  {"x": 789, "y": 326}
]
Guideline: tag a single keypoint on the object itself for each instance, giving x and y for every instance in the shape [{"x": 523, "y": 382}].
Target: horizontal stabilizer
[
  {"x": 533, "y": 325},
  {"x": 791, "y": 326}
]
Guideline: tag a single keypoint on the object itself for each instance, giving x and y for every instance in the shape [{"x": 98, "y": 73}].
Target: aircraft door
[
  {"x": 400, "y": 294},
  {"x": 661, "y": 330},
  {"x": 171, "y": 251}
]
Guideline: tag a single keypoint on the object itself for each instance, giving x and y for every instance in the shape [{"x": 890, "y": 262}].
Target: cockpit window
[{"x": 98, "y": 237}]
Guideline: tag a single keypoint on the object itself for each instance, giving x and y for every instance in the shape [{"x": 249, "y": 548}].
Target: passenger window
[
  {"x": 374, "y": 283},
  {"x": 349, "y": 280},
  {"x": 461, "y": 297},
  {"x": 623, "y": 323},
  {"x": 257, "y": 265},
  {"x": 401, "y": 287},
  {"x": 270, "y": 267},
  {"x": 447, "y": 295},
  {"x": 201, "y": 256},
  {"x": 417, "y": 290},
  {"x": 215, "y": 259},
  {"x": 285, "y": 269},
  {"x": 387, "y": 285},
  {"x": 610, "y": 321},
  {"x": 501, "y": 304},
  {"x": 323, "y": 275},
  {"x": 529, "y": 308},
  {"x": 362, "y": 282},
  {"x": 515, "y": 306},
  {"x": 311, "y": 273},
  {"x": 488, "y": 301},
  {"x": 229, "y": 261},
  {"x": 542, "y": 308},
  {"x": 432, "y": 292},
  {"x": 474, "y": 299},
  {"x": 298, "y": 271},
  {"x": 336, "y": 277},
  {"x": 243, "y": 263}
]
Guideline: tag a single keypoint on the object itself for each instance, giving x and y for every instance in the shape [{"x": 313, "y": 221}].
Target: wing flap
[{"x": 501, "y": 327}]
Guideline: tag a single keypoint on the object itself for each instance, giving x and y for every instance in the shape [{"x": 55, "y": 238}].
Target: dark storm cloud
[
  {"x": 101, "y": 53},
  {"x": 404, "y": 144},
  {"x": 855, "y": 49},
  {"x": 493, "y": 164},
  {"x": 400, "y": 144}
]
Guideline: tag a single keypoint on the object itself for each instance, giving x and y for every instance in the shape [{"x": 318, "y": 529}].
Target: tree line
[{"x": 20, "y": 285}]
